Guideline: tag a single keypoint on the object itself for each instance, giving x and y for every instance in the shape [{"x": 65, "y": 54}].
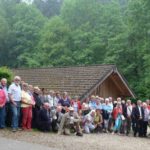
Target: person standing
[
  {"x": 128, "y": 113},
  {"x": 64, "y": 102},
  {"x": 145, "y": 119},
  {"x": 37, "y": 107},
  {"x": 138, "y": 116},
  {"x": 2, "y": 108},
  {"x": 6, "y": 112},
  {"x": 26, "y": 104},
  {"x": 117, "y": 113},
  {"x": 14, "y": 93}
]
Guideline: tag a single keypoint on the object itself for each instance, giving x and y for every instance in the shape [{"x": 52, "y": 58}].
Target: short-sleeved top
[
  {"x": 27, "y": 98},
  {"x": 2, "y": 97},
  {"x": 15, "y": 91}
]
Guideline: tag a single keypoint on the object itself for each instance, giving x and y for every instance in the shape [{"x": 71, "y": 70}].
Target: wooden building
[{"x": 102, "y": 80}]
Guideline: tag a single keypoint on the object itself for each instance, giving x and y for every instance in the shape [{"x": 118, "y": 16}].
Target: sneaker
[
  {"x": 19, "y": 129},
  {"x": 14, "y": 130},
  {"x": 79, "y": 134}
]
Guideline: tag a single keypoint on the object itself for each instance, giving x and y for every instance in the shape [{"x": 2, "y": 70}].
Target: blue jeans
[
  {"x": 15, "y": 115},
  {"x": 2, "y": 117}
]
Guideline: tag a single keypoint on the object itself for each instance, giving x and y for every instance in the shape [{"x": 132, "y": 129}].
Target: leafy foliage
[
  {"x": 6, "y": 73},
  {"x": 73, "y": 32}
]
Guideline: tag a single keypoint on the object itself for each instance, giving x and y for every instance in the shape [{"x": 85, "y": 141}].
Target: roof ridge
[{"x": 55, "y": 67}]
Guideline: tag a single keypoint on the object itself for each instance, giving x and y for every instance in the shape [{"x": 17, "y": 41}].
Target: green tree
[
  {"x": 27, "y": 22},
  {"x": 49, "y": 8}
]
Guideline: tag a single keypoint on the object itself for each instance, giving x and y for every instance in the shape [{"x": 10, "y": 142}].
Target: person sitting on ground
[
  {"x": 70, "y": 121},
  {"x": 44, "y": 118}
]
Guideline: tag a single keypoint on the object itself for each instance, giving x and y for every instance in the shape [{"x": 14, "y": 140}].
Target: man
[
  {"x": 138, "y": 116},
  {"x": 44, "y": 119},
  {"x": 56, "y": 116},
  {"x": 2, "y": 108},
  {"x": 70, "y": 120},
  {"x": 14, "y": 93}
]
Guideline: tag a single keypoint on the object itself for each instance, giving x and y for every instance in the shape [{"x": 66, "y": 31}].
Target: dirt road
[{"x": 87, "y": 142}]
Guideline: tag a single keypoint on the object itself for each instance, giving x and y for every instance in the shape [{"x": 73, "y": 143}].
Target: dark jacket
[{"x": 136, "y": 113}]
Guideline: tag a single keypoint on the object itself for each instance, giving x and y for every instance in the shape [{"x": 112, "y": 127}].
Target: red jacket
[
  {"x": 78, "y": 103},
  {"x": 116, "y": 111},
  {"x": 2, "y": 98}
]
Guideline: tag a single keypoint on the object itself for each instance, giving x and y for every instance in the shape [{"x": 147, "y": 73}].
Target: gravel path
[{"x": 87, "y": 142}]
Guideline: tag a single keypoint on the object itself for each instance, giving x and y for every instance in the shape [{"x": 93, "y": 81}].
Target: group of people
[{"x": 24, "y": 107}]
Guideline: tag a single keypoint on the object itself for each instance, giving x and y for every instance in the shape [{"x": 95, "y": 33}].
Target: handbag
[{"x": 122, "y": 117}]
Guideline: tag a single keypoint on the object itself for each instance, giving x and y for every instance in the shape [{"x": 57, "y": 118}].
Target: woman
[
  {"x": 75, "y": 103},
  {"x": 64, "y": 102},
  {"x": 2, "y": 108},
  {"x": 26, "y": 103},
  {"x": 145, "y": 119},
  {"x": 117, "y": 116},
  {"x": 98, "y": 120}
]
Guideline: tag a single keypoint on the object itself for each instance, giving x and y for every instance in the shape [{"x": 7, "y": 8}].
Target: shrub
[{"x": 6, "y": 73}]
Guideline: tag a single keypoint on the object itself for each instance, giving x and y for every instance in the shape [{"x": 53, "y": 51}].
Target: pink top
[{"x": 2, "y": 98}]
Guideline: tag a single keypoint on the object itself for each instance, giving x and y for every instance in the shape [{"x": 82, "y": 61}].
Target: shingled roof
[{"x": 78, "y": 80}]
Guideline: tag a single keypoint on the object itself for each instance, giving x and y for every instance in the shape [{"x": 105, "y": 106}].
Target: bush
[{"x": 6, "y": 73}]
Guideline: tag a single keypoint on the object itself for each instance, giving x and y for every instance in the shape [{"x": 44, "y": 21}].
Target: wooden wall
[{"x": 108, "y": 88}]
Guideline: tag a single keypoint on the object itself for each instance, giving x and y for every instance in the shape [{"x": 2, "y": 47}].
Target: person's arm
[{"x": 11, "y": 99}]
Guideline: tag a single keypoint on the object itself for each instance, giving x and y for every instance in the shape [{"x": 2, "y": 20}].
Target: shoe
[
  {"x": 14, "y": 130},
  {"x": 79, "y": 134},
  {"x": 19, "y": 129}
]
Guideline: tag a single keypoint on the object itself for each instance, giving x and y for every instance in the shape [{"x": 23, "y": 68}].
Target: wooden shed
[{"x": 102, "y": 80}]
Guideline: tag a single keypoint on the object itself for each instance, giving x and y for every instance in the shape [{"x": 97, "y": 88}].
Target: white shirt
[
  {"x": 140, "y": 111},
  {"x": 129, "y": 110},
  {"x": 15, "y": 91}
]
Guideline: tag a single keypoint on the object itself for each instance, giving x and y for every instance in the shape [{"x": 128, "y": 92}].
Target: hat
[
  {"x": 92, "y": 96},
  {"x": 97, "y": 97},
  {"x": 36, "y": 88},
  {"x": 71, "y": 109}
]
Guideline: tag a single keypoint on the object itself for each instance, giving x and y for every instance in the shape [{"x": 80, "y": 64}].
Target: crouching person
[
  {"x": 56, "y": 118},
  {"x": 89, "y": 122},
  {"x": 98, "y": 120},
  {"x": 44, "y": 119},
  {"x": 70, "y": 120}
]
